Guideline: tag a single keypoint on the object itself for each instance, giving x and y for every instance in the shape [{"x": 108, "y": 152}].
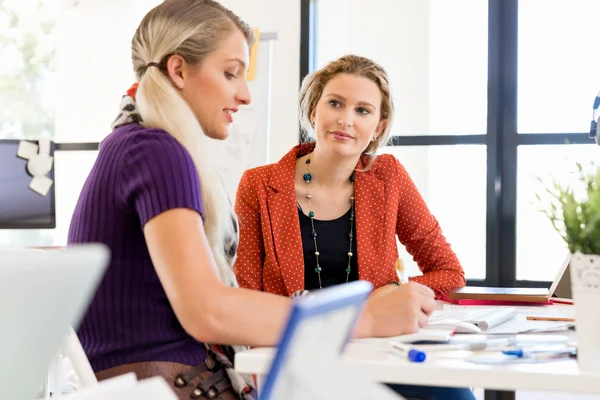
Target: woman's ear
[
  {"x": 175, "y": 66},
  {"x": 380, "y": 127}
]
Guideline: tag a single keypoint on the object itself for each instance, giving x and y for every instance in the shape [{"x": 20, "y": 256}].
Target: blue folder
[{"x": 341, "y": 305}]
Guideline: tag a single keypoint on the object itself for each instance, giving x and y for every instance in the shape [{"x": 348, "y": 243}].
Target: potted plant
[{"x": 574, "y": 211}]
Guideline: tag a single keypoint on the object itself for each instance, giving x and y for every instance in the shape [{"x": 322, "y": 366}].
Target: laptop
[
  {"x": 42, "y": 294},
  {"x": 308, "y": 362},
  {"x": 561, "y": 286}
]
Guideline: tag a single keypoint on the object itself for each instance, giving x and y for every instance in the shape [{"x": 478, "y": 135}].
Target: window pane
[
  {"x": 49, "y": 44},
  {"x": 558, "y": 65},
  {"x": 540, "y": 249},
  {"x": 27, "y": 70},
  {"x": 434, "y": 51},
  {"x": 71, "y": 170},
  {"x": 452, "y": 180},
  {"x": 93, "y": 66}
]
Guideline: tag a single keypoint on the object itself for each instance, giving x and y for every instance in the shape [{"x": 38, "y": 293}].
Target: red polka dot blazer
[{"x": 387, "y": 204}]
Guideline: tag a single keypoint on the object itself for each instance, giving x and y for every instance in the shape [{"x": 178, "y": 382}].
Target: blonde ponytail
[{"x": 192, "y": 29}]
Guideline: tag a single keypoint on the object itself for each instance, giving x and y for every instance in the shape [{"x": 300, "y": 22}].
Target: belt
[{"x": 203, "y": 381}]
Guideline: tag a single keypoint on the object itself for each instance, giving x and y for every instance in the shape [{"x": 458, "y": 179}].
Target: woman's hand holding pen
[{"x": 392, "y": 311}]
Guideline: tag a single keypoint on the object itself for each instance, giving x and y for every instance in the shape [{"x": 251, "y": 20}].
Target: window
[
  {"x": 492, "y": 93},
  {"x": 555, "y": 96},
  {"x": 458, "y": 204},
  {"x": 27, "y": 71},
  {"x": 27, "y": 85},
  {"x": 558, "y": 65},
  {"x": 47, "y": 45},
  {"x": 540, "y": 250},
  {"x": 435, "y": 53}
]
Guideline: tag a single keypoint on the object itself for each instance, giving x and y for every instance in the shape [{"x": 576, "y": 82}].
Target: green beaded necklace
[{"x": 307, "y": 178}]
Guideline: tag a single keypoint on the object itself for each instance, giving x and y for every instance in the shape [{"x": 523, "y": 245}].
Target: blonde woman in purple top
[{"x": 154, "y": 198}]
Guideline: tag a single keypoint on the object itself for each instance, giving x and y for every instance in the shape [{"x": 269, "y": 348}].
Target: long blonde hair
[
  {"x": 192, "y": 29},
  {"x": 314, "y": 83}
]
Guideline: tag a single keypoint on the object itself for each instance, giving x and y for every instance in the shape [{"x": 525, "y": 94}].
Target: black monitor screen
[{"x": 21, "y": 207}]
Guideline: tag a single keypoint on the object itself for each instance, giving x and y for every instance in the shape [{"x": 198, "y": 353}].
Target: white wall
[
  {"x": 94, "y": 64},
  {"x": 283, "y": 17}
]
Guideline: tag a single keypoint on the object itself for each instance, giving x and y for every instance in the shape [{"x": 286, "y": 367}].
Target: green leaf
[{"x": 574, "y": 211}]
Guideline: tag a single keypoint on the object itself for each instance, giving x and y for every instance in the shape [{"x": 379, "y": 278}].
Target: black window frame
[{"x": 501, "y": 140}]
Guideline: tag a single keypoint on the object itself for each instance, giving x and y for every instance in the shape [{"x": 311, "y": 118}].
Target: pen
[
  {"x": 450, "y": 347},
  {"x": 541, "y": 354},
  {"x": 534, "y": 318},
  {"x": 408, "y": 352}
]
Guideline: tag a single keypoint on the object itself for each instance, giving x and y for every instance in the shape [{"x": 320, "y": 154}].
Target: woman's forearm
[
  {"x": 241, "y": 316},
  {"x": 247, "y": 317}
]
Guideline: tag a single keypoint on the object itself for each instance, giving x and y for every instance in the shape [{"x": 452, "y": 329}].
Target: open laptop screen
[{"x": 21, "y": 207}]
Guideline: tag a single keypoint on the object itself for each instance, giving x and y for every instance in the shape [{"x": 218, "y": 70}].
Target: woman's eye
[
  {"x": 334, "y": 103},
  {"x": 229, "y": 75},
  {"x": 362, "y": 111}
]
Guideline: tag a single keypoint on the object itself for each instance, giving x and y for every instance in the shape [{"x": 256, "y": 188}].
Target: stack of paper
[
  {"x": 126, "y": 387},
  {"x": 484, "y": 318}
]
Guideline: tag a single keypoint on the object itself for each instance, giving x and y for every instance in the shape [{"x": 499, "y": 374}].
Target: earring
[
  {"x": 312, "y": 123},
  {"x": 374, "y": 138}
]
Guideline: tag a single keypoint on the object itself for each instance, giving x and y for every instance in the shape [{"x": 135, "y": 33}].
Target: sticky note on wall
[{"x": 253, "y": 52}]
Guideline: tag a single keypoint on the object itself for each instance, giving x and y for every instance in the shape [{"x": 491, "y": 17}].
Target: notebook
[
  {"x": 507, "y": 295},
  {"x": 483, "y": 318}
]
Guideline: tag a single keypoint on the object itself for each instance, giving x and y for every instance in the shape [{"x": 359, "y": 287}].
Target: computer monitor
[{"x": 20, "y": 206}]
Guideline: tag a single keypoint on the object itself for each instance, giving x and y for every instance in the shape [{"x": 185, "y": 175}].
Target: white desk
[
  {"x": 560, "y": 376},
  {"x": 382, "y": 366}
]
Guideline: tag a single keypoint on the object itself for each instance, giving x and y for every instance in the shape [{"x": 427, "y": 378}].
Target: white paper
[
  {"x": 41, "y": 185},
  {"x": 40, "y": 164},
  {"x": 520, "y": 324},
  {"x": 27, "y": 149},
  {"x": 44, "y": 146},
  {"x": 423, "y": 335},
  {"x": 127, "y": 388},
  {"x": 484, "y": 318}
]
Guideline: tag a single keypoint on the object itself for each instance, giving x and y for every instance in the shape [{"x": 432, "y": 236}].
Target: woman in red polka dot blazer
[
  {"x": 329, "y": 212},
  {"x": 348, "y": 106}
]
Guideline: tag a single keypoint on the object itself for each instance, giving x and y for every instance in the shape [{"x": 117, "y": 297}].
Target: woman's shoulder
[
  {"x": 137, "y": 135},
  {"x": 387, "y": 166},
  {"x": 150, "y": 151},
  {"x": 134, "y": 142},
  {"x": 258, "y": 175}
]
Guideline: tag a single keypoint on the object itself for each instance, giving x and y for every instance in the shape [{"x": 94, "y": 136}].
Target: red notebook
[
  {"x": 475, "y": 295},
  {"x": 474, "y": 302}
]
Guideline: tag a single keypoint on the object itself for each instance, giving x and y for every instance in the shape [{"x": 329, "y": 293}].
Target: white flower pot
[{"x": 585, "y": 284}]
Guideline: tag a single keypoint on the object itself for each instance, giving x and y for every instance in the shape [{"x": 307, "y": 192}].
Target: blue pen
[
  {"x": 515, "y": 352},
  {"x": 540, "y": 354},
  {"x": 410, "y": 353}
]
